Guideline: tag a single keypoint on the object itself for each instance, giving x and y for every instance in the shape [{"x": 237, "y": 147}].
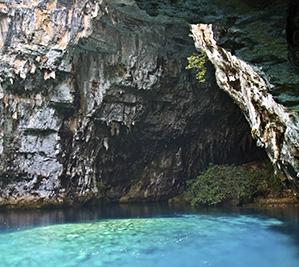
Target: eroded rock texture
[
  {"x": 251, "y": 61},
  {"x": 96, "y": 103},
  {"x": 271, "y": 124}
]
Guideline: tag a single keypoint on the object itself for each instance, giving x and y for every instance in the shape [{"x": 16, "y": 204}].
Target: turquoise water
[{"x": 177, "y": 240}]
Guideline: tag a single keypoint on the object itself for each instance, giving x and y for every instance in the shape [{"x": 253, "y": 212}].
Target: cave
[
  {"x": 149, "y": 133},
  {"x": 103, "y": 105}
]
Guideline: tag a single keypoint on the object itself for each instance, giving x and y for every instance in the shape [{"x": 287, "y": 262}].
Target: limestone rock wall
[
  {"x": 274, "y": 127},
  {"x": 96, "y": 103},
  {"x": 254, "y": 50}
]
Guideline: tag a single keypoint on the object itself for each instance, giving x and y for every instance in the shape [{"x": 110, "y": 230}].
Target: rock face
[
  {"x": 271, "y": 124},
  {"x": 95, "y": 102},
  {"x": 259, "y": 77},
  {"x": 292, "y": 31}
]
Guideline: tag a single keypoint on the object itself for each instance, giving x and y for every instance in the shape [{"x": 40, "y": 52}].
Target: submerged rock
[{"x": 96, "y": 102}]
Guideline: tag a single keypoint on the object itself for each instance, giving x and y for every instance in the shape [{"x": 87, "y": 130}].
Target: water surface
[{"x": 142, "y": 236}]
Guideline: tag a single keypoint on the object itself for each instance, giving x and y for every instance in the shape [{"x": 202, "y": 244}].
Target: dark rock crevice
[{"x": 292, "y": 31}]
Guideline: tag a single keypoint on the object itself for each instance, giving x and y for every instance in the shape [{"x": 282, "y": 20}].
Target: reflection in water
[
  {"x": 11, "y": 219},
  {"x": 149, "y": 235}
]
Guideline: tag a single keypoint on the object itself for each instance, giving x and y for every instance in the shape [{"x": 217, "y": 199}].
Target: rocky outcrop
[
  {"x": 271, "y": 124},
  {"x": 96, "y": 103},
  {"x": 260, "y": 88}
]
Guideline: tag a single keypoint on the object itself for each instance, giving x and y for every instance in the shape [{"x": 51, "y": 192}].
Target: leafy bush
[
  {"x": 198, "y": 62},
  {"x": 221, "y": 183}
]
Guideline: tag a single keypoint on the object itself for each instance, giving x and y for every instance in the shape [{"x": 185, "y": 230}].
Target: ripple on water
[{"x": 189, "y": 241}]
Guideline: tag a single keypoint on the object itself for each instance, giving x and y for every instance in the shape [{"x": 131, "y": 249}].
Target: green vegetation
[
  {"x": 238, "y": 184},
  {"x": 198, "y": 63}
]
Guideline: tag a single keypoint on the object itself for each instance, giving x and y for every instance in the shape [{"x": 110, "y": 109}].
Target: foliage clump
[
  {"x": 198, "y": 63},
  {"x": 222, "y": 183}
]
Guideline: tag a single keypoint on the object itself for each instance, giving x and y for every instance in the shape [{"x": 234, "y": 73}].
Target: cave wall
[
  {"x": 96, "y": 103},
  {"x": 255, "y": 60},
  {"x": 253, "y": 46},
  {"x": 292, "y": 31}
]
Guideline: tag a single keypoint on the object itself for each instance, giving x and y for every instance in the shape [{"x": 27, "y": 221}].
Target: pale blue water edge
[{"x": 148, "y": 239}]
